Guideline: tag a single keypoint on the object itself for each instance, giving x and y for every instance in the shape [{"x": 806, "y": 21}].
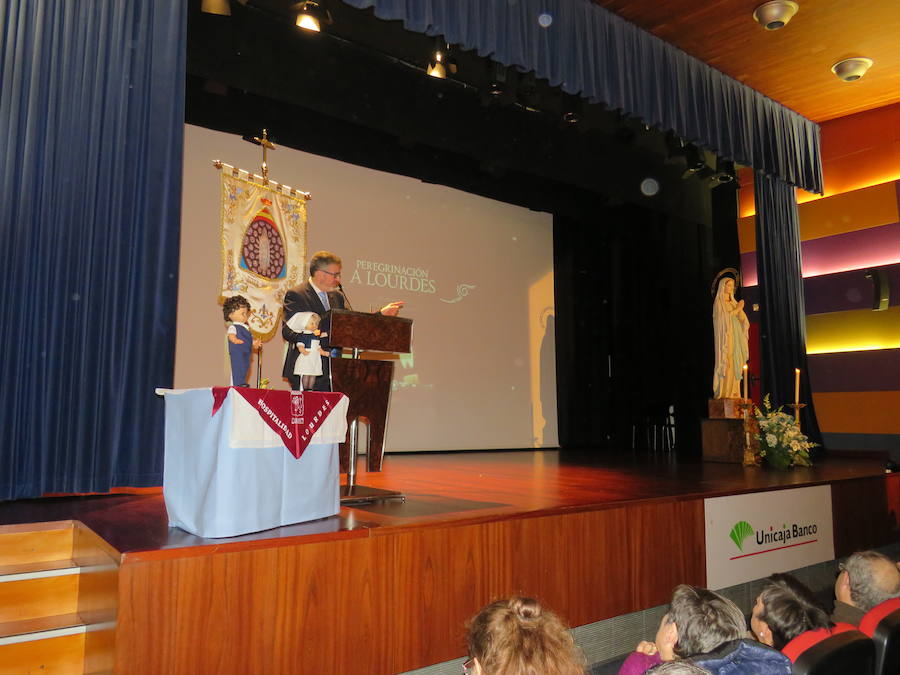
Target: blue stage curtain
[
  {"x": 590, "y": 51},
  {"x": 91, "y": 134},
  {"x": 782, "y": 307}
]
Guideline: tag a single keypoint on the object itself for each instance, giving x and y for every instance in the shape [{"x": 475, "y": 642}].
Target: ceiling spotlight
[
  {"x": 721, "y": 178},
  {"x": 220, "y": 7},
  {"x": 311, "y": 15},
  {"x": 850, "y": 70},
  {"x": 649, "y": 187},
  {"x": 694, "y": 158},
  {"x": 571, "y": 109},
  {"x": 496, "y": 79},
  {"x": 774, "y": 15}
]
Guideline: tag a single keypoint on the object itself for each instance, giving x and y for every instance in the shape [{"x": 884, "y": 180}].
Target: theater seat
[
  {"x": 841, "y": 654},
  {"x": 882, "y": 624}
]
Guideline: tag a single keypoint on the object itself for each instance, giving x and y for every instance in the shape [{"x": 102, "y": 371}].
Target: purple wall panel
[
  {"x": 835, "y": 292},
  {"x": 873, "y": 247},
  {"x": 876, "y": 370}
]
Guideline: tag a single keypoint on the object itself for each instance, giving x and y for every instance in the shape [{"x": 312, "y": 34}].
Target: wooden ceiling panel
[{"x": 791, "y": 65}]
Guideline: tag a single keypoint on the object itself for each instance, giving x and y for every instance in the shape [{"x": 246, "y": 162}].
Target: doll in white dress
[{"x": 309, "y": 362}]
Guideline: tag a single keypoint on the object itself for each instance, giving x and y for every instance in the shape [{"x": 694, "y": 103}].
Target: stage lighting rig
[{"x": 442, "y": 61}]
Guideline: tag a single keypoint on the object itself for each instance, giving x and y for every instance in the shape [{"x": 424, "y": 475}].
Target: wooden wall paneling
[
  {"x": 865, "y": 513},
  {"x": 266, "y": 610},
  {"x": 400, "y": 598},
  {"x": 669, "y": 548}
]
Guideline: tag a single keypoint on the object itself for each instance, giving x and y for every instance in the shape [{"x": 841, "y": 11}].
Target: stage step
[{"x": 58, "y": 596}]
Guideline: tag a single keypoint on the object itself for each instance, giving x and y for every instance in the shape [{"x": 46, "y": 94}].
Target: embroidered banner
[
  {"x": 263, "y": 245},
  {"x": 296, "y": 416}
]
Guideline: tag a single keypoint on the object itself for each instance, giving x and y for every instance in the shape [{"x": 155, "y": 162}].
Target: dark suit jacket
[{"x": 303, "y": 298}]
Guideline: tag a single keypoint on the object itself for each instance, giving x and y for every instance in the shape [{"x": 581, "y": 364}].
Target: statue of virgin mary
[{"x": 731, "y": 328}]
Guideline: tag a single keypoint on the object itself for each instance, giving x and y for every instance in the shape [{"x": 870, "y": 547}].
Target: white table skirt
[{"x": 213, "y": 489}]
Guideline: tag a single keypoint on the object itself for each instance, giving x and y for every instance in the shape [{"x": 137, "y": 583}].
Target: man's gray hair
[
  {"x": 874, "y": 578},
  {"x": 321, "y": 260},
  {"x": 704, "y": 620}
]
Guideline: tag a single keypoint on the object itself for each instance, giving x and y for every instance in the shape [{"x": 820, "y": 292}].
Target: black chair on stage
[
  {"x": 882, "y": 624},
  {"x": 841, "y": 654}
]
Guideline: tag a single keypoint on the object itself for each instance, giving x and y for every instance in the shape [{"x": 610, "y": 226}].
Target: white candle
[
  {"x": 796, "y": 385},
  {"x": 746, "y": 388}
]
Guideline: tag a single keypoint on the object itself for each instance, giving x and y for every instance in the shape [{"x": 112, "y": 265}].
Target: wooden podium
[{"x": 367, "y": 383}]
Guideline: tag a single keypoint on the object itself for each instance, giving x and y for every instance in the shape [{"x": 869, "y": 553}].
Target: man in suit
[{"x": 320, "y": 293}]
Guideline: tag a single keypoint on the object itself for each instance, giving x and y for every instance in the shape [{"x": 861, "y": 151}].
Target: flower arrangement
[{"x": 781, "y": 443}]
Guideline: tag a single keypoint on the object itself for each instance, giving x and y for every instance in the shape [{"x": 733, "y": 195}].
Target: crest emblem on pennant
[{"x": 296, "y": 407}]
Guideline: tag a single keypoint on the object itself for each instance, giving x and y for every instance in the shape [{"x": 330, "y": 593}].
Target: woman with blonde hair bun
[{"x": 516, "y": 636}]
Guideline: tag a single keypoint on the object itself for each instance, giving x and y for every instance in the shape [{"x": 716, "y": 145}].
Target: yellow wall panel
[
  {"x": 854, "y": 330},
  {"x": 858, "y": 412},
  {"x": 848, "y": 212}
]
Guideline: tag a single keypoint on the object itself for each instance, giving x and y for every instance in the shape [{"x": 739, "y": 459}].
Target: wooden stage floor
[
  {"x": 387, "y": 588},
  {"x": 452, "y": 487}
]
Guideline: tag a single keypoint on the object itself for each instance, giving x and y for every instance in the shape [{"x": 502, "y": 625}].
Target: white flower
[{"x": 770, "y": 439}]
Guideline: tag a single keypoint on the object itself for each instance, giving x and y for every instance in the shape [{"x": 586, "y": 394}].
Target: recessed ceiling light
[
  {"x": 850, "y": 70},
  {"x": 774, "y": 15}
]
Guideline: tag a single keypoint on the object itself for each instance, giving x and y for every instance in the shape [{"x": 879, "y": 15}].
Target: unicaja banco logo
[{"x": 739, "y": 534}]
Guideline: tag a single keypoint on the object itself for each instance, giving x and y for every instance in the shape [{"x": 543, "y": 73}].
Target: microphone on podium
[{"x": 344, "y": 293}]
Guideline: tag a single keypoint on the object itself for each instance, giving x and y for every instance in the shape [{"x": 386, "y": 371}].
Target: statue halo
[{"x": 729, "y": 272}]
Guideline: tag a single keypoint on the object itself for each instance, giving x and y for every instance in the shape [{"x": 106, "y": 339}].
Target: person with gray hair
[
  {"x": 866, "y": 579},
  {"x": 318, "y": 294},
  {"x": 678, "y": 668},
  {"x": 707, "y": 628}
]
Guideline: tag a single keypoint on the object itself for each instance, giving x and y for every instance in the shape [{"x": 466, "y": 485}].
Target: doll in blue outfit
[{"x": 240, "y": 340}]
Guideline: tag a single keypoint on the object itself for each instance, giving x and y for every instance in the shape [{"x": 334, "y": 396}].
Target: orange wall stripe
[
  {"x": 858, "y": 412},
  {"x": 857, "y": 151}
]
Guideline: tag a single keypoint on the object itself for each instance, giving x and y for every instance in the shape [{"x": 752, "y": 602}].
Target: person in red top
[{"x": 788, "y": 617}]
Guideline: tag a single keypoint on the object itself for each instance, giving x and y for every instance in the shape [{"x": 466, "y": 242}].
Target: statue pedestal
[
  {"x": 727, "y": 436},
  {"x": 728, "y": 408}
]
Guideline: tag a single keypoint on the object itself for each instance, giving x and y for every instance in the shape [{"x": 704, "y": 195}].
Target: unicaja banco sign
[
  {"x": 752, "y": 535},
  {"x": 793, "y": 534}
]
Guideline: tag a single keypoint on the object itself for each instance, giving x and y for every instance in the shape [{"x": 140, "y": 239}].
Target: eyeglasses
[
  {"x": 469, "y": 667},
  {"x": 334, "y": 274}
]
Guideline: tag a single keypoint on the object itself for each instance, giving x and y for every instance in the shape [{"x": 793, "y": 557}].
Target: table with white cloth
[{"x": 228, "y": 471}]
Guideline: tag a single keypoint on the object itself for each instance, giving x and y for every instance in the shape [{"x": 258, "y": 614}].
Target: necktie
[{"x": 323, "y": 296}]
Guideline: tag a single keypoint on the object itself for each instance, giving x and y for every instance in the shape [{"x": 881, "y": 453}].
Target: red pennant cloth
[{"x": 294, "y": 415}]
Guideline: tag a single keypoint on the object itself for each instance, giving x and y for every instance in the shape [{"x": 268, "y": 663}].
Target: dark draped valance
[{"x": 590, "y": 51}]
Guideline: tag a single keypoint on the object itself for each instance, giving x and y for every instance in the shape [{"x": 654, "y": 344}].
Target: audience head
[
  {"x": 867, "y": 578},
  {"x": 678, "y": 668},
  {"x": 697, "y": 622},
  {"x": 784, "y": 609},
  {"x": 516, "y": 636}
]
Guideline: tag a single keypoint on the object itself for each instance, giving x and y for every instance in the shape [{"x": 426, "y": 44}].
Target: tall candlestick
[
  {"x": 745, "y": 380},
  {"x": 796, "y": 385}
]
